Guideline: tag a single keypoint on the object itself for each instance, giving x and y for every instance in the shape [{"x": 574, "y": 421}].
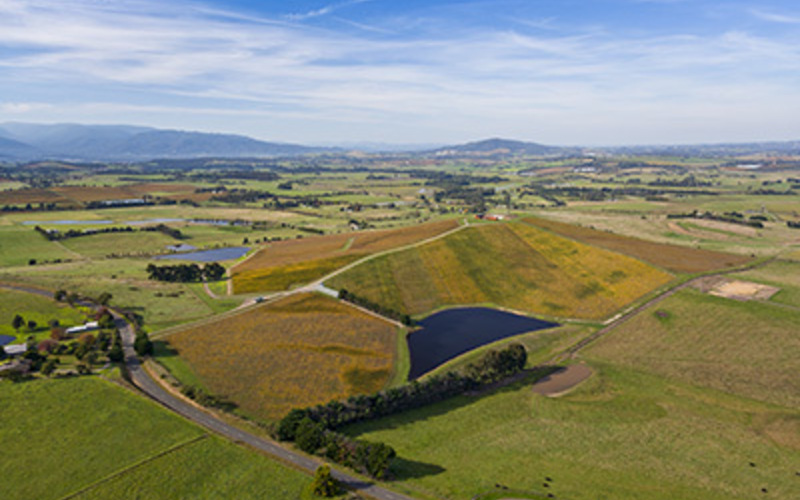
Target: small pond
[
  {"x": 7, "y": 339},
  {"x": 208, "y": 255},
  {"x": 450, "y": 333}
]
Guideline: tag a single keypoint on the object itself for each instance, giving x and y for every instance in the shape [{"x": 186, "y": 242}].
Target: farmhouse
[{"x": 88, "y": 327}]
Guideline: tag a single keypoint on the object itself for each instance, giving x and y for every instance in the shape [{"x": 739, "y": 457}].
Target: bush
[{"x": 325, "y": 485}]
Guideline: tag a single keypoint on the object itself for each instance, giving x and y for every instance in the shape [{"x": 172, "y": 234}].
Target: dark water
[
  {"x": 208, "y": 255},
  {"x": 450, "y": 333},
  {"x": 6, "y": 339}
]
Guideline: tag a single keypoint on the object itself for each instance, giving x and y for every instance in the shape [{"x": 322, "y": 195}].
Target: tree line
[
  {"x": 374, "y": 307},
  {"x": 313, "y": 429},
  {"x": 186, "y": 273},
  {"x": 54, "y": 235}
]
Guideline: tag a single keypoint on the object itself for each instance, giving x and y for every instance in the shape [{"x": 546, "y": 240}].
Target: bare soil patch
[
  {"x": 736, "y": 289},
  {"x": 562, "y": 381}
]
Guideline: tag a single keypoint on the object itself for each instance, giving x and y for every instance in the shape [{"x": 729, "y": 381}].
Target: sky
[{"x": 560, "y": 72}]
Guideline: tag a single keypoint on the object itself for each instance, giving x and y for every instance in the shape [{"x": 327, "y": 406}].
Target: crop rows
[
  {"x": 671, "y": 257},
  {"x": 300, "y": 351},
  {"x": 511, "y": 265},
  {"x": 286, "y": 263}
]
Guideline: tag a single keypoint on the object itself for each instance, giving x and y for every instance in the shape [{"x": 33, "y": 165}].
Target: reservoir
[
  {"x": 208, "y": 255},
  {"x": 453, "y": 332}
]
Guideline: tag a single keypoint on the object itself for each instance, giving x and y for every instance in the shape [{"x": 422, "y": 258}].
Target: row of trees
[
  {"x": 314, "y": 429},
  {"x": 378, "y": 308},
  {"x": 54, "y": 235},
  {"x": 186, "y": 273}
]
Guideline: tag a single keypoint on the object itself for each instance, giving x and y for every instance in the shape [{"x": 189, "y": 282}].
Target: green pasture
[
  {"x": 746, "y": 348},
  {"x": 20, "y": 244},
  {"x": 107, "y": 244},
  {"x": 623, "y": 434},
  {"x": 783, "y": 274},
  {"x": 108, "y": 443},
  {"x": 34, "y": 308},
  {"x": 161, "y": 304}
]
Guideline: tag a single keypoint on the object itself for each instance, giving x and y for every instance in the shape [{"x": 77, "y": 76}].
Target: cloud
[
  {"x": 324, "y": 11},
  {"x": 775, "y": 17},
  {"x": 186, "y": 61},
  {"x": 22, "y": 107}
]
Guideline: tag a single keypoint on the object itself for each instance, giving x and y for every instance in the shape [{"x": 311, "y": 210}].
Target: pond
[
  {"x": 450, "y": 333},
  {"x": 208, "y": 255},
  {"x": 7, "y": 339}
]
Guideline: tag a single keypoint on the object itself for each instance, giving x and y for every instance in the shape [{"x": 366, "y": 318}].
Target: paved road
[{"x": 151, "y": 388}]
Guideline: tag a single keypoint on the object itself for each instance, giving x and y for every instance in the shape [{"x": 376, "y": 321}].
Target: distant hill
[
  {"x": 23, "y": 141},
  {"x": 15, "y": 150},
  {"x": 499, "y": 147}
]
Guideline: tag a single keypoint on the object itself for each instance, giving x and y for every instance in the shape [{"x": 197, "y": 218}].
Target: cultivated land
[
  {"x": 109, "y": 443},
  {"x": 280, "y": 265},
  {"x": 298, "y": 351},
  {"x": 745, "y": 348},
  {"x": 511, "y": 265},
  {"x": 694, "y": 397},
  {"x": 671, "y": 257}
]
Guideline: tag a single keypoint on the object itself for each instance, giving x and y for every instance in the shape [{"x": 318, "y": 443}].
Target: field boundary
[{"x": 136, "y": 465}]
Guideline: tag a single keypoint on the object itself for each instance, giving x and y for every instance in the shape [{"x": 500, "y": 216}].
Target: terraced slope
[
  {"x": 510, "y": 265},
  {"x": 670, "y": 257},
  {"x": 287, "y": 263}
]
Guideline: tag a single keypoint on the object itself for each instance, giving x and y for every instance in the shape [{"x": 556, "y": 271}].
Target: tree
[
  {"x": 60, "y": 295},
  {"x": 104, "y": 298},
  {"x": 17, "y": 322},
  {"x": 32, "y": 325},
  {"x": 142, "y": 344},
  {"x": 49, "y": 367},
  {"x": 325, "y": 485}
]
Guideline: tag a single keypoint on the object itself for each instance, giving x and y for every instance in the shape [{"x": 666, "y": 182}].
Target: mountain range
[
  {"x": 25, "y": 141},
  {"x": 20, "y": 142}
]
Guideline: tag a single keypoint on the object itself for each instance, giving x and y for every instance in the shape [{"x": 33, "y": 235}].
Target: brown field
[
  {"x": 83, "y": 194},
  {"x": 673, "y": 258},
  {"x": 24, "y": 196},
  {"x": 302, "y": 350},
  {"x": 257, "y": 273}
]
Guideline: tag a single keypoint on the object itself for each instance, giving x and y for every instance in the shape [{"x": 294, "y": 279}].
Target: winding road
[{"x": 145, "y": 383}]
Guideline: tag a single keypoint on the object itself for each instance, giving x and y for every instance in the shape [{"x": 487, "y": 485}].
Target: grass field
[
  {"x": 510, "y": 265},
  {"x": 18, "y": 245},
  {"x": 210, "y": 469},
  {"x": 308, "y": 259},
  {"x": 673, "y": 258},
  {"x": 299, "y": 351},
  {"x": 622, "y": 435},
  {"x": 161, "y": 304},
  {"x": 746, "y": 348},
  {"x": 116, "y": 445},
  {"x": 104, "y": 245},
  {"x": 34, "y": 308}
]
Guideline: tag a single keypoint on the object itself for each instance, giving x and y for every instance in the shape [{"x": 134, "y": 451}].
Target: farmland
[
  {"x": 615, "y": 429},
  {"x": 34, "y": 308},
  {"x": 744, "y": 348},
  {"x": 673, "y": 258},
  {"x": 87, "y": 449},
  {"x": 510, "y": 265},
  {"x": 264, "y": 359},
  {"x": 308, "y": 259}
]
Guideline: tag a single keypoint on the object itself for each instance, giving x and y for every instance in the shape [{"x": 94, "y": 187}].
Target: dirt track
[{"x": 562, "y": 380}]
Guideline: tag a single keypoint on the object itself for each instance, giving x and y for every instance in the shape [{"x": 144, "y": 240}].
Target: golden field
[
  {"x": 513, "y": 265},
  {"x": 302, "y": 350}
]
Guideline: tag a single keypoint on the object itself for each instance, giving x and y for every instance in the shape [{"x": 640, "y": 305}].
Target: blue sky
[{"x": 566, "y": 72}]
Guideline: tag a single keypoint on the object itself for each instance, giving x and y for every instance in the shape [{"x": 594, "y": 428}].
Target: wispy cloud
[
  {"x": 775, "y": 17},
  {"x": 280, "y": 79},
  {"x": 324, "y": 11}
]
